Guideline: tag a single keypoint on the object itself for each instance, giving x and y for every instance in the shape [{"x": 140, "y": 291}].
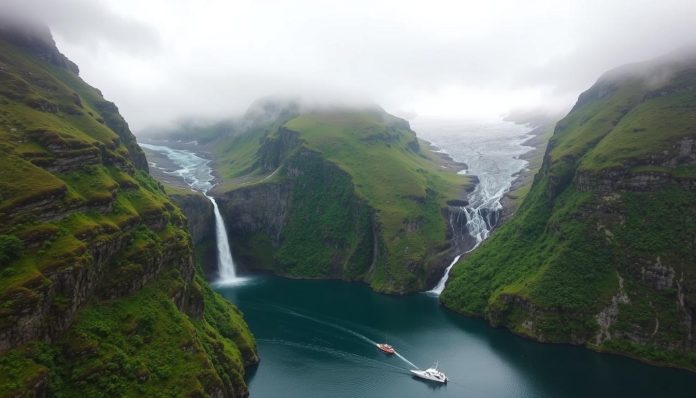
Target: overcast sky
[{"x": 163, "y": 60}]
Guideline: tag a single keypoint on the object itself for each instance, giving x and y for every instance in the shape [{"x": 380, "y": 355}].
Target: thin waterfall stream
[{"x": 194, "y": 170}]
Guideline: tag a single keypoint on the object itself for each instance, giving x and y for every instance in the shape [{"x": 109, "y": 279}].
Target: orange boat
[{"x": 386, "y": 348}]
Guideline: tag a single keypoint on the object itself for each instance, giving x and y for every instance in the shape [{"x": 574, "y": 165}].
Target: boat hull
[
  {"x": 423, "y": 375},
  {"x": 385, "y": 348}
]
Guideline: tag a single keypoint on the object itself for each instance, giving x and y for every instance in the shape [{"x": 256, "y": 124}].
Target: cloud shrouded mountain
[{"x": 164, "y": 60}]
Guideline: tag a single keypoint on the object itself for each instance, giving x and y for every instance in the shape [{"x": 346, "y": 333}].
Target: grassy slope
[
  {"x": 400, "y": 184},
  {"x": 45, "y": 110},
  {"x": 382, "y": 167},
  {"x": 328, "y": 232},
  {"x": 237, "y": 152},
  {"x": 558, "y": 263},
  {"x": 141, "y": 345}
]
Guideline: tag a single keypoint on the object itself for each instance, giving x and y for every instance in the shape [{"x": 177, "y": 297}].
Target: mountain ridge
[
  {"x": 97, "y": 278},
  {"x": 600, "y": 252},
  {"x": 380, "y": 197}
]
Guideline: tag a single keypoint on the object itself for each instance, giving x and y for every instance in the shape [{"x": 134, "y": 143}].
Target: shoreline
[
  {"x": 584, "y": 345},
  {"x": 538, "y": 140},
  {"x": 444, "y": 159}
]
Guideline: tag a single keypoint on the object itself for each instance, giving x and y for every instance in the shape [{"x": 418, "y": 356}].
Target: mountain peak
[{"x": 36, "y": 39}]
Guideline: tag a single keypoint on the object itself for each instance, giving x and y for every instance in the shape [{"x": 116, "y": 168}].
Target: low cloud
[
  {"x": 91, "y": 25},
  {"x": 163, "y": 60}
]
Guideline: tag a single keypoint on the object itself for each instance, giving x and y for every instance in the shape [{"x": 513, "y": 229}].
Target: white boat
[{"x": 431, "y": 374}]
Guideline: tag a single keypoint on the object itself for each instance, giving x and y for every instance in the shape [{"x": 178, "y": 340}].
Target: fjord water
[{"x": 316, "y": 338}]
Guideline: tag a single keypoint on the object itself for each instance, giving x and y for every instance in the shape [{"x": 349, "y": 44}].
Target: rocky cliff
[
  {"x": 201, "y": 225},
  {"x": 602, "y": 250},
  {"x": 198, "y": 211},
  {"x": 98, "y": 288},
  {"x": 271, "y": 222},
  {"x": 338, "y": 193}
]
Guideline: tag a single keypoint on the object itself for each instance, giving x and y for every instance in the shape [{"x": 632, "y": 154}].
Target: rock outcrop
[
  {"x": 199, "y": 214},
  {"x": 281, "y": 226}
]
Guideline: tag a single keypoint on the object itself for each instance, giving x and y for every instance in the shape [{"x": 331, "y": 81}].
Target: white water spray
[
  {"x": 479, "y": 228},
  {"x": 437, "y": 290},
  {"x": 195, "y": 171}
]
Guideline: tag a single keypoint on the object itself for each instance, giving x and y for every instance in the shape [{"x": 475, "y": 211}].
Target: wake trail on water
[
  {"x": 373, "y": 363},
  {"x": 332, "y": 325},
  {"x": 405, "y": 360},
  {"x": 346, "y": 330}
]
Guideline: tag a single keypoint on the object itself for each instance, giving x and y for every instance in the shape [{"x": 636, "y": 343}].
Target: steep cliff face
[
  {"x": 602, "y": 251},
  {"x": 341, "y": 193},
  {"x": 97, "y": 277},
  {"x": 198, "y": 211},
  {"x": 200, "y": 218},
  {"x": 310, "y": 225}
]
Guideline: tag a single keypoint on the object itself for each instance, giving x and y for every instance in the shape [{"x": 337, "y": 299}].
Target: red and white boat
[{"x": 386, "y": 348}]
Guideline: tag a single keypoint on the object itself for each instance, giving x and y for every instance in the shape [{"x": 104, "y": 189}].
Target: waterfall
[
  {"x": 477, "y": 225},
  {"x": 492, "y": 150},
  {"x": 481, "y": 218},
  {"x": 226, "y": 271},
  {"x": 195, "y": 171},
  {"x": 441, "y": 284}
]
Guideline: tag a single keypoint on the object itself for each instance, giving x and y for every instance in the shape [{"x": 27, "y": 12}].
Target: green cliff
[
  {"x": 99, "y": 292},
  {"x": 347, "y": 193},
  {"x": 602, "y": 250}
]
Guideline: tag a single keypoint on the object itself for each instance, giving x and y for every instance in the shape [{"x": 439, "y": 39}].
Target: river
[
  {"x": 316, "y": 338},
  {"x": 491, "y": 150}
]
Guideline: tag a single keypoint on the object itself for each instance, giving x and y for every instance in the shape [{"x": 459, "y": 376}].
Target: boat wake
[
  {"x": 405, "y": 360},
  {"x": 348, "y": 331},
  {"x": 336, "y": 353},
  {"x": 332, "y": 325}
]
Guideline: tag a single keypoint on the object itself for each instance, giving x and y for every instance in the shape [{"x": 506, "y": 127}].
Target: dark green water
[{"x": 313, "y": 341}]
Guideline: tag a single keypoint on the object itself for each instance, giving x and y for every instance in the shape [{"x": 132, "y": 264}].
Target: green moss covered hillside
[
  {"x": 602, "y": 252},
  {"x": 341, "y": 192},
  {"x": 99, "y": 292}
]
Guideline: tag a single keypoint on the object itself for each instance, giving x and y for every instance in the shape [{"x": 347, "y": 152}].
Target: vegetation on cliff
[
  {"x": 99, "y": 294},
  {"x": 340, "y": 193},
  {"x": 601, "y": 251}
]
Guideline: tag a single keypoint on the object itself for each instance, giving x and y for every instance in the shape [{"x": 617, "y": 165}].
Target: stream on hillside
[{"x": 316, "y": 338}]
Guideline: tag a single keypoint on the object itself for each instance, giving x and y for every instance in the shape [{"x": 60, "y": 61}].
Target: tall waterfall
[
  {"x": 195, "y": 171},
  {"x": 226, "y": 271},
  {"x": 491, "y": 150}
]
